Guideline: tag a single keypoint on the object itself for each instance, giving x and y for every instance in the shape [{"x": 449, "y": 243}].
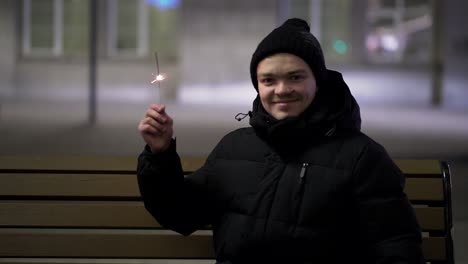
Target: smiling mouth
[{"x": 285, "y": 102}]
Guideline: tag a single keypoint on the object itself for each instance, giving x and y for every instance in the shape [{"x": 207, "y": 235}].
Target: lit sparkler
[{"x": 157, "y": 77}]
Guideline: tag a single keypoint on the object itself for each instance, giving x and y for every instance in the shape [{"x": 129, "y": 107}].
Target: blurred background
[{"x": 75, "y": 74}]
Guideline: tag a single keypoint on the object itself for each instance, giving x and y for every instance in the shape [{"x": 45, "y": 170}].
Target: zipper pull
[{"x": 303, "y": 171}]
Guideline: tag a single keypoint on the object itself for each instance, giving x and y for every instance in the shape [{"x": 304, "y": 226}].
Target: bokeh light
[
  {"x": 340, "y": 46},
  {"x": 165, "y": 4}
]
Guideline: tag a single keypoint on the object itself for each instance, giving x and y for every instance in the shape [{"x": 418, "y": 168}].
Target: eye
[
  {"x": 267, "y": 81},
  {"x": 296, "y": 77}
]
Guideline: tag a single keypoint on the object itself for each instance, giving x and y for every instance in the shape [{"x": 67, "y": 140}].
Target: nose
[{"x": 283, "y": 88}]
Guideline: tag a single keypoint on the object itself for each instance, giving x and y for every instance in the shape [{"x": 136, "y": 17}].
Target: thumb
[{"x": 162, "y": 109}]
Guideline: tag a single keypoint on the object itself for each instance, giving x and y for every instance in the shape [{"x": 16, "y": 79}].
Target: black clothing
[{"x": 306, "y": 189}]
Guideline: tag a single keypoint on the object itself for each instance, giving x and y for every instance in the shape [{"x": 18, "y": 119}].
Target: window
[
  {"x": 55, "y": 27},
  {"x": 137, "y": 28},
  {"x": 387, "y": 32},
  {"x": 76, "y": 27},
  {"x": 399, "y": 31}
]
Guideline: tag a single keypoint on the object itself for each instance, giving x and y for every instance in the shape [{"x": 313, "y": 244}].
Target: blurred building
[{"x": 205, "y": 46}]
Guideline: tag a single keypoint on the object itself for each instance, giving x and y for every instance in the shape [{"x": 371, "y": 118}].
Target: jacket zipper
[
  {"x": 303, "y": 172},
  {"x": 300, "y": 189}
]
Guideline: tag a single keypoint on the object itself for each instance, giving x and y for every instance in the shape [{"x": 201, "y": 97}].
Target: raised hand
[{"x": 156, "y": 128}]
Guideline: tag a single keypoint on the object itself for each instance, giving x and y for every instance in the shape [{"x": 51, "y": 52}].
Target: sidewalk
[{"x": 61, "y": 128}]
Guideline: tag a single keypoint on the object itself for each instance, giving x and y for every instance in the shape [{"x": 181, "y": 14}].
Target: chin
[{"x": 280, "y": 116}]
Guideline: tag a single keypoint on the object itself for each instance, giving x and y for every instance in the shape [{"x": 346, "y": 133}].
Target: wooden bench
[{"x": 86, "y": 209}]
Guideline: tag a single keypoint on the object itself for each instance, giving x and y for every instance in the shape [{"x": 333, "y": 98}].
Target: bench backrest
[{"x": 83, "y": 207}]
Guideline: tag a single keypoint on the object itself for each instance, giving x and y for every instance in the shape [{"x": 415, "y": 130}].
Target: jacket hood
[{"x": 333, "y": 110}]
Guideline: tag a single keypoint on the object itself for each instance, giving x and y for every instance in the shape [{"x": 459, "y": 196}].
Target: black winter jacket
[{"x": 309, "y": 189}]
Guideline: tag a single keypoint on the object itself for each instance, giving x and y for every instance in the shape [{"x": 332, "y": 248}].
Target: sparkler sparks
[{"x": 157, "y": 78}]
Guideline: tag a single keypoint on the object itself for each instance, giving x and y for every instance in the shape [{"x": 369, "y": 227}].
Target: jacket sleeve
[
  {"x": 180, "y": 203},
  {"x": 386, "y": 219}
]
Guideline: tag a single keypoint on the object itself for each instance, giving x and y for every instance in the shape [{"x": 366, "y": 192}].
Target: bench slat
[
  {"x": 424, "y": 167},
  {"x": 424, "y": 189},
  {"x": 128, "y": 163},
  {"x": 430, "y": 218},
  {"x": 434, "y": 248},
  {"x": 97, "y": 163},
  {"x": 103, "y": 244},
  {"x": 100, "y": 261},
  {"x": 59, "y": 184},
  {"x": 90, "y": 163},
  {"x": 115, "y": 244},
  {"x": 125, "y": 185},
  {"x": 124, "y": 214}
]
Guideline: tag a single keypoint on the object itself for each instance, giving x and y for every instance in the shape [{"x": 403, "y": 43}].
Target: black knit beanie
[{"x": 293, "y": 37}]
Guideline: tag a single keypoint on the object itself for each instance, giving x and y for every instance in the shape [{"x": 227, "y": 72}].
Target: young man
[{"x": 301, "y": 185}]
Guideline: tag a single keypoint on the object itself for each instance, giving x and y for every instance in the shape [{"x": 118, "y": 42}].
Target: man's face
[{"x": 286, "y": 85}]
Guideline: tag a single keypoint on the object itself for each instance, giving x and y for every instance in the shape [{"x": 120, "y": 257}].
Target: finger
[
  {"x": 156, "y": 116},
  {"x": 148, "y": 129},
  {"x": 145, "y": 128},
  {"x": 160, "y": 108},
  {"x": 162, "y": 128},
  {"x": 155, "y": 106}
]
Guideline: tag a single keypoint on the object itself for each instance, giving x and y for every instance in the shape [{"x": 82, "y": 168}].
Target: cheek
[
  {"x": 310, "y": 95},
  {"x": 310, "y": 91},
  {"x": 264, "y": 96}
]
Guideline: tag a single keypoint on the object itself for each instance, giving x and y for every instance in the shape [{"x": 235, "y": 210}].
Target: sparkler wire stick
[
  {"x": 157, "y": 74},
  {"x": 157, "y": 68},
  {"x": 157, "y": 62}
]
